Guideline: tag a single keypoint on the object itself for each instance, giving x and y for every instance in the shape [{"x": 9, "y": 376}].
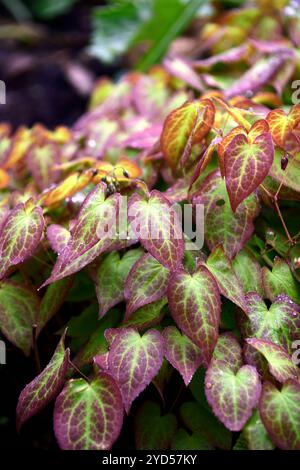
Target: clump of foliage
[{"x": 135, "y": 312}]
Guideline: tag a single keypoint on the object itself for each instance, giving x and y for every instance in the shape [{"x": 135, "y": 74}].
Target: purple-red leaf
[
  {"x": 88, "y": 416},
  {"x": 20, "y": 235},
  {"x": 157, "y": 226},
  {"x": 146, "y": 283},
  {"x": 134, "y": 361},
  {"x": 182, "y": 353},
  {"x": 195, "y": 305},
  {"x": 232, "y": 390},
  {"x": 38, "y": 393},
  {"x": 280, "y": 413}
]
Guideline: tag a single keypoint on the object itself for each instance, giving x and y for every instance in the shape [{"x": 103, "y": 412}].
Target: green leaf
[
  {"x": 153, "y": 431},
  {"x": 280, "y": 413},
  {"x": 229, "y": 284},
  {"x": 48, "y": 9},
  {"x": 166, "y": 24},
  {"x": 280, "y": 363},
  {"x": 185, "y": 441},
  {"x": 19, "y": 308},
  {"x": 111, "y": 276},
  {"x": 280, "y": 281},
  {"x": 256, "y": 435},
  {"x": 248, "y": 271},
  {"x": 53, "y": 299},
  {"x": 148, "y": 315},
  {"x": 196, "y": 418}
]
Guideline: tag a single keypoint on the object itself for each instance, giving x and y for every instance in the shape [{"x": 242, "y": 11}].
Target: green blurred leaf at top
[
  {"x": 48, "y": 9},
  {"x": 124, "y": 23}
]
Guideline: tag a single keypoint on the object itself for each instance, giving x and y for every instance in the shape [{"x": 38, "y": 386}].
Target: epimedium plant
[{"x": 222, "y": 319}]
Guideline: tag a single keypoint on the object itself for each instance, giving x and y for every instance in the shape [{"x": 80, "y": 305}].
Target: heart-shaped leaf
[
  {"x": 146, "y": 316},
  {"x": 157, "y": 226},
  {"x": 185, "y": 441},
  {"x": 248, "y": 271},
  {"x": 134, "y": 361},
  {"x": 111, "y": 276},
  {"x": 193, "y": 119},
  {"x": 38, "y": 393},
  {"x": 182, "y": 353},
  {"x": 162, "y": 428},
  {"x": 279, "y": 324},
  {"x": 20, "y": 235},
  {"x": 280, "y": 363},
  {"x": 231, "y": 388},
  {"x": 19, "y": 309},
  {"x": 247, "y": 161},
  {"x": 221, "y": 268},
  {"x": 280, "y": 281},
  {"x": 194, "y": 302},
  {"x": 88, "y": 416},
  {"x": 282, "y": 124},
  {"x": 231, "y": 230},
  {"x": 146, "y": 283},
  {"x": 42, "y": 159},
  {"x": 280, "y": 413}
]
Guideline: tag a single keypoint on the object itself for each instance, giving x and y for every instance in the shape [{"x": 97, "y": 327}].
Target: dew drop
[{"x": 208, "y": 385}]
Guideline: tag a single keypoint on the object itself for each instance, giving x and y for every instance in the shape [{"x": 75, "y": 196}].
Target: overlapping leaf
[
  {"x": 38, "y": 393},
  {"x": 232, "y": 390},
  {"x": 282, "y": 124},
  {"x": 110, "y": 278},
  {"x": 232, "y": 230},
  {"x": 20, "y": 235},
  {"x": 192, "y": 120},
  {"x": 146, "y": 283},
  {"x": 157, "y": 226},
  {"x": 194, "y": 301},
  {"x": 182, "y": 353},
  {"x": 280, "y": 413},
  {"x": 280, "y": 281},
  {"x": 19, "y": 309},
  {"x": 280, "y": 363}
]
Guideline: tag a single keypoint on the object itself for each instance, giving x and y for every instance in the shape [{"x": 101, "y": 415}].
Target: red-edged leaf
[
  {"x": 146, "y": 316},
  {"x": 247, "y": 161},
  {"x": 134, "y": 361},
  {"x": 229, "y": 284},
  {"x": 193, "y": 117},
  {"x": 42, "y": 159},
  {"x": 146, "y": 283},
  {"x": 280, "y": 413},
  {"x": 282, "y": 124},
  {"x": 195, "y": 305},
  {"x": 20, "y": 235},
  {"x": 88, "y": 416},
  {"x": 231, "y": 230},
  {"x": 19, "y": 308},
  {"x": 38, "y": 393},
  {"x": 182, "y": 353},
  {"x": 232, "y": 389},
  {"x": 280, "y": 363},
  {"x": 157, "y": 226}
]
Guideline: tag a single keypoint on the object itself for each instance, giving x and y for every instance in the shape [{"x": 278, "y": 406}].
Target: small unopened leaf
[
  {"x": 88, "y": 416},
  {"x": 38, "y": 393}
]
